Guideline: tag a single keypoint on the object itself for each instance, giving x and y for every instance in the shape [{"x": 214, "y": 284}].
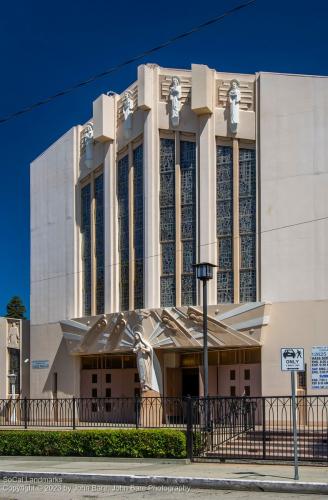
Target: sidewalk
[{"x": 241, "y": 476}]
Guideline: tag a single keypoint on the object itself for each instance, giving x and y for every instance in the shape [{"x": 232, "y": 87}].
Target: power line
[
  {"x": 113, "y": 69},
  {"x": 202, "y": 245}
]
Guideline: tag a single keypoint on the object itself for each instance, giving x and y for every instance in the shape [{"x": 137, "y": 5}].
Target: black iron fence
[
  {"x": 218, "y": 427},
  {"x": 260, "y": 428},
  {"x": 151, "y": 412}
]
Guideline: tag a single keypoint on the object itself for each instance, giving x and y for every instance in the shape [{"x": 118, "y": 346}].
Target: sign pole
[{"x": 296, "y": 476}]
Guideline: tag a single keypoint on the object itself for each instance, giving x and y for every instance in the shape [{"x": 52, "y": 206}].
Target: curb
[
  {"x": 172, "y": 481},
  {"x": 132, "y": 460}
]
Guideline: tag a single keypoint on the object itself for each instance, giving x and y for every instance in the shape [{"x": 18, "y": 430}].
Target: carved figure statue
[
  {"x": 234, "y": 100},
  {"x": 13, "y": 336},
  {"x": 127, "y": 105},
  {"x": 87, "y": 144},
  {"x": 175, "y": 96},
  {"x": 144, "y": 352},
  {"x": 127, "y": 113},
  {"x": 88, "y": 131}
]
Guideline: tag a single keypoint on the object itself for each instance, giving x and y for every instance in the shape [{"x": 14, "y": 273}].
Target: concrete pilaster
[
  {"x": 111, "y": 230},
  {"x": 151, "y": 198},
  {"x": 207, "y": 199},
  {"x": 178, "y": 245},
  {"x": 236, "y": 238},
  {"x": 111, "y": 291},
  {"x": 131, "y": 229}
]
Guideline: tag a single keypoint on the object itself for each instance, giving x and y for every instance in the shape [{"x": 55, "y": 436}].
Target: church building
[{"x": 185, "y": 166}]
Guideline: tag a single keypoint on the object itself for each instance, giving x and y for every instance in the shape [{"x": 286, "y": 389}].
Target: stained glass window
[
  {"x": 188, "y": 221},
  {"x": 247, "y": 224},
  {"x": 167, "y": 221},
  {"x": 224, "y": 222},
  {"x": 86, "y": 248},
  {"x": 99, "y": 242},
  {"x": 138, "y": 228},
  {"x": 123, "y": 229}
]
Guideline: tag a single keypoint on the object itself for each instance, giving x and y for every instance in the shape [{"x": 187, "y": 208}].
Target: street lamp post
[
  {"x": 12, "y": 381},
  {"x": 204, "y": 272}
]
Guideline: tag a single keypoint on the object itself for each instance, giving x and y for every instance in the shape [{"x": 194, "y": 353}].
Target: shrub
[{"x": 136, "y": 443}]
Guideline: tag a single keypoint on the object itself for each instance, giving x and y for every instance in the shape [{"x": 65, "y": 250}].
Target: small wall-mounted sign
[{"x": 40, "y": 363}]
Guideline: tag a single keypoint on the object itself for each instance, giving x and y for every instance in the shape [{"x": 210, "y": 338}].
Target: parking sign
[{"x": 292, "y": 359}]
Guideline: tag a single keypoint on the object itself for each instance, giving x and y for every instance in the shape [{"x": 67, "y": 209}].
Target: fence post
[
  {"x": 73, "y": 416},
  {"x": 263, "y": 429},
  {"x": 189, "y": 428},
  {"x": 25, "y": 412}
]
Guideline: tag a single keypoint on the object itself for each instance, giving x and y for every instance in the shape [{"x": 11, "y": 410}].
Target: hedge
[{"x": 136, "y": 443}]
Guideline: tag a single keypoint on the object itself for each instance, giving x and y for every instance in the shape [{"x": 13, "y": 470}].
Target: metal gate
[{"x": 258, "y": 428}]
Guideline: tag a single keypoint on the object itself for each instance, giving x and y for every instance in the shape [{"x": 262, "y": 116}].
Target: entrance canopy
[{"x": 229, "y": 326}]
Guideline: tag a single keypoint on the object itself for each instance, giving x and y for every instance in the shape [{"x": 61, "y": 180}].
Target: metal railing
[
  {"x": 261, "y": 428},
  {"x": 151, "y": 412},
  {"x": 219, "y": 427}
]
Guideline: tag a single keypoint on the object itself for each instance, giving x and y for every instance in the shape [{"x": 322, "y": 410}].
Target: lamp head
[
  {"x": 12, "y": 378},
  {"x": 204, "y": 271}
]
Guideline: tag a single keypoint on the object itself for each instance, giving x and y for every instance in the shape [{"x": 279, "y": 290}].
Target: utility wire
[
  {"x": 202, "y": 245},
  {"x": 113, "y": 69}
]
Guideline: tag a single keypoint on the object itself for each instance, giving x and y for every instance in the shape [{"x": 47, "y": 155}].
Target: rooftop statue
[
  {"x": 175, "y": 96},
  {"x": 127, "y": 113},
  {"x": 87, "y": 144},
  {"x": 234, "y": 100}
]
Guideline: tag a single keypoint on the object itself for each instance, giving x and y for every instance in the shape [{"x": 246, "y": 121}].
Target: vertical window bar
[
  {"x": 224, "y": 223},
  {"x": 167, "y": 221},
  {"x": 138, "y": 228},
  {"x": 188, "y": 221},
  {"x": 247, "y": 224},
  {"x": 86, "y": 248},
  {"x": 123, "y": 230},
  {"x": 99, "y": 243}
]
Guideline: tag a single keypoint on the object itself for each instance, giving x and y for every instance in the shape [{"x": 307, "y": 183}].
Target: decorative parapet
[{"x": 247, "y": 102}]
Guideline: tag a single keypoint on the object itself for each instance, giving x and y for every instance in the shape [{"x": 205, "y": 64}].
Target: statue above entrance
[{"x": 144, "y": 353}]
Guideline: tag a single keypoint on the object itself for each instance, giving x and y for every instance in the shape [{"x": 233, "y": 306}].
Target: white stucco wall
[
  {"x": 47, "y": 343},
  {"x": 292, "y": 324},
  {"x": 293, "y": 163},
  {"x": 54, "y": 232}
]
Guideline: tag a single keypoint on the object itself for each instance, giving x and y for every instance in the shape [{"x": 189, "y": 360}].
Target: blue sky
[{"x": 47, "y": 46}]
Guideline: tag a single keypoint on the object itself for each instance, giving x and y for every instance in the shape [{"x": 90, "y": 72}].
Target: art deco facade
[{"x": 182, "y": 167}]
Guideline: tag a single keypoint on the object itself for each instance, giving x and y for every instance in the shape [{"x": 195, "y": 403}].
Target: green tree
[{"x": 16, "y": 308}]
